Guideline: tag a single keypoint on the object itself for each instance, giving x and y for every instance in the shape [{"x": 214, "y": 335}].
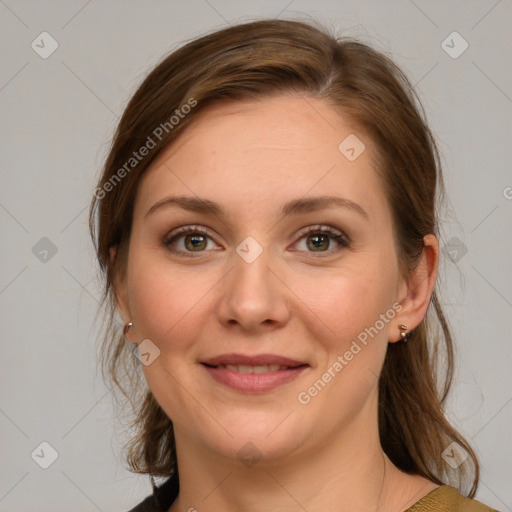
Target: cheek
[
  {"x": 166, "y": 303},
  {"x": 345, "y": 301},
  {"x": 348, "y": 323},
  {"x": 169, "y": 308}
]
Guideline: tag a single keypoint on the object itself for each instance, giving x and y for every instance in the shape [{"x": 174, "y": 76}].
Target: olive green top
[
  {"x": 448, "y": 499},
  {"x": 443, "y": 499}
]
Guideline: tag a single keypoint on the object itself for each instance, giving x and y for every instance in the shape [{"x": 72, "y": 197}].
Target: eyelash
[{"x": 341, "y": 238}]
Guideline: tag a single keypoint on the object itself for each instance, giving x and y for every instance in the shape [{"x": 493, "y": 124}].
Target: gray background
[{"x": 58, "y": 115}]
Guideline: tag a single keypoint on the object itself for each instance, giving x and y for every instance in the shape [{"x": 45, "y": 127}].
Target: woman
[{"x": 266, "y": 227}]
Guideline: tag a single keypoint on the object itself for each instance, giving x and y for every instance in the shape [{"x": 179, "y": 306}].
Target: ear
[
  {"x": 418, "y": 288},
  {"x": 121, "y": 297}
]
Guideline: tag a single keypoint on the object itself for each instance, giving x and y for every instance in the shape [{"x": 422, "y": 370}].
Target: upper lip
[{"x": 256, "y": 360}]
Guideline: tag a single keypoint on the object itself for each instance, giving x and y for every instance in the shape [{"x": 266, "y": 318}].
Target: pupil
[
  {"x": 194, "y": 242},
  {"x": 318, "y": 242}
]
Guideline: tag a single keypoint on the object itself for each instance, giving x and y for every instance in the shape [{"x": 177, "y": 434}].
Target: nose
[{"x": 254, "y": 297}]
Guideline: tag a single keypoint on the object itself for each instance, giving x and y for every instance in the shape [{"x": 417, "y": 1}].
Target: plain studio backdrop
[{"x": 68, "y": 69}]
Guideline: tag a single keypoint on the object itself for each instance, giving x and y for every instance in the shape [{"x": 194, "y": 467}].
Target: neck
[{"x": 348, "y": 472}]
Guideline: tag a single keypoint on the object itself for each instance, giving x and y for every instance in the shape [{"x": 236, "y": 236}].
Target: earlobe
[{"x": 419, "y": 289}]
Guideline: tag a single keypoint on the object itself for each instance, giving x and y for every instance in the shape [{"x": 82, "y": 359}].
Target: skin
[{"x": 251, "y": 158}]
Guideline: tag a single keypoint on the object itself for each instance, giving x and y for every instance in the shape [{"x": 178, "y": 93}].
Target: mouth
[
  {"x": 245, "y": 368},
  {"x": 253, "y": 374}
]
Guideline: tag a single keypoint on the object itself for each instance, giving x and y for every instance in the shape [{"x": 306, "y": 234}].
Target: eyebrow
[{"x": 295, "y": 207}]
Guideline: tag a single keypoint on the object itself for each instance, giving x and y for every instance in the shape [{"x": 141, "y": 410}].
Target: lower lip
[{"x": 254, "y": 382}]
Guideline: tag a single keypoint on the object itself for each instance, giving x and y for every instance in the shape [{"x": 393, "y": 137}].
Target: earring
[
  {"x": 403, "y": 332},
  {"x": 126, "y": 327}
]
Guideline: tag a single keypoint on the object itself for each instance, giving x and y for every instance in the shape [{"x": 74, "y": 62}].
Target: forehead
[
  {"x": 267, "y": 151},
  {"x": 284, "y": 122}
]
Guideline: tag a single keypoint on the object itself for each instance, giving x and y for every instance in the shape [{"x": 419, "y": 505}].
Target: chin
[{"x": 261, "y": 440}]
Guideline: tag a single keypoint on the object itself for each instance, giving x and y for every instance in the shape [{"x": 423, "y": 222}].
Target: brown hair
[{"x": 254, "y": 60}]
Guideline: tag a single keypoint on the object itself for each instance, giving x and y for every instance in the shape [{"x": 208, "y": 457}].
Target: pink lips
[
  {"x": 262, "y": 359},
  {"x": 253, "y": 374}
]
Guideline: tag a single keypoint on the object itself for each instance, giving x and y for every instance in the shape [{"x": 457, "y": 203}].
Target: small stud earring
[
  {"x": 126, "y": 327},
  {"x": 403, "y": 332}
]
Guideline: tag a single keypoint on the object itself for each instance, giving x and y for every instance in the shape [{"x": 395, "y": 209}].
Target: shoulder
[
  {"x": 161, "y": 498},
  {"x": 448, "y": 499}
]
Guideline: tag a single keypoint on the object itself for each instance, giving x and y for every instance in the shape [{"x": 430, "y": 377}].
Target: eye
[
  {"x": 189, "y": 239},
  {"x": 321, "y": 239}
]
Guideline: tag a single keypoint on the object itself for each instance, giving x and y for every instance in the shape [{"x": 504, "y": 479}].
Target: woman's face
[{"x": 261, "y": 234}]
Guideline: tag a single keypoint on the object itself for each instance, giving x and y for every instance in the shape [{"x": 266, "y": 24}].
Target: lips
[
  {"x": 258, "y": 360},
  {"x": 260, "y": 368},
  {"x": 253, "y": 374}
]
